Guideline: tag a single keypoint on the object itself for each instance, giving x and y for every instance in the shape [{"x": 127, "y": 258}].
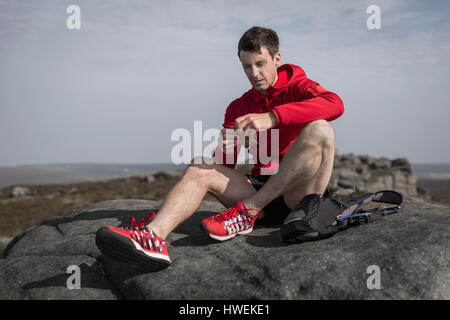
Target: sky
[{"x": 116, "y": 89}]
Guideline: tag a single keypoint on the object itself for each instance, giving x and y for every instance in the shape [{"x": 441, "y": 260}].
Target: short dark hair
[{"x": 256, "y": 37}]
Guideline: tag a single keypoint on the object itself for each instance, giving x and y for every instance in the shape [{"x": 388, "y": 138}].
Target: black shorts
[{"x": 276, "y": 211}]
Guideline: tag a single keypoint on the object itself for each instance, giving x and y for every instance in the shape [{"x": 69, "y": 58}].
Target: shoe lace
[
  {"x": 143, "y": 232},
  {"x": 140, "y": 223},
  {"x": 233, "y": 211}
]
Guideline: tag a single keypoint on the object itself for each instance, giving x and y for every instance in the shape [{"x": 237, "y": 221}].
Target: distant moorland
[
  {"x": 85, "y": 172},
  {"x": 76, "y": 172}
]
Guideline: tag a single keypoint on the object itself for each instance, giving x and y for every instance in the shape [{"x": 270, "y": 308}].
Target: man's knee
[
  {"x": 319, "y": 132},
  {"x": 198, "y": 171}
]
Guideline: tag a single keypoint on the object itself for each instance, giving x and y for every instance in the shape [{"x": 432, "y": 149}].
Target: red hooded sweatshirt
[{"x": 295, "y": 100}]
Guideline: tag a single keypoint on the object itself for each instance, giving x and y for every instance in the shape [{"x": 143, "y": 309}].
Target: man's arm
[
  {"x": 257, "y": 121},
  {"x": 313, "y": 102}
]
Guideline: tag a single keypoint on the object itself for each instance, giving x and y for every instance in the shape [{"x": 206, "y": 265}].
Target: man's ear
[{"x": 277, "y": 58}]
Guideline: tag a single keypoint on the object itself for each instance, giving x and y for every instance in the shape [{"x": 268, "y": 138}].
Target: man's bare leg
[
  {"x": 306, "y": 168},
  {"x": 227, "y": 185}
]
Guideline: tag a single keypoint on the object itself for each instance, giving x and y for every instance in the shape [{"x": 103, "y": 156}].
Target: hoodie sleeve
[{"x": 312, "y": 102}]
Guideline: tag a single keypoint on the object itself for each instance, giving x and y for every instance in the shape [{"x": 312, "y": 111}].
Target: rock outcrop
[
  {"x": 411, "y": 250},
  {"x": 371, "y": 174}
]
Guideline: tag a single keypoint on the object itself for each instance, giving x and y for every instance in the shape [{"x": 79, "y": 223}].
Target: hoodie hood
[{"x": 287, "y": 74}]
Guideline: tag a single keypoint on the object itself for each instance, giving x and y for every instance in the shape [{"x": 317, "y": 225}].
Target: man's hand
[
  {"x": 227, "y": 140},
  {"x": 256, "y": 121}
]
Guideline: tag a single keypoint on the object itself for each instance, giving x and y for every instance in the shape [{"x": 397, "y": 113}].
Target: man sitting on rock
[{"x": 281, "y": 98}]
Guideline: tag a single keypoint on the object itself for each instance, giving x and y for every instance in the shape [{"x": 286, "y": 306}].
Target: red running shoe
[
  {"x": 229, "y": 223},
  {"x": 137, "y": 244}
]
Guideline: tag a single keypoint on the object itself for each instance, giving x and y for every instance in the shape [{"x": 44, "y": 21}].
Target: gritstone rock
[
  {"x": 369, "y": 174},
  {"x": 411, "y": 249}
]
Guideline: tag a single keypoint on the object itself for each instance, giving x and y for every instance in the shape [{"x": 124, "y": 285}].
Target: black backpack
[{"x": 317, "y": 217}]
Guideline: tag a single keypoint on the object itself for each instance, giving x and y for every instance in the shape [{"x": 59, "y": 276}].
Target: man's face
[{"x": 260, "y": 68}]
